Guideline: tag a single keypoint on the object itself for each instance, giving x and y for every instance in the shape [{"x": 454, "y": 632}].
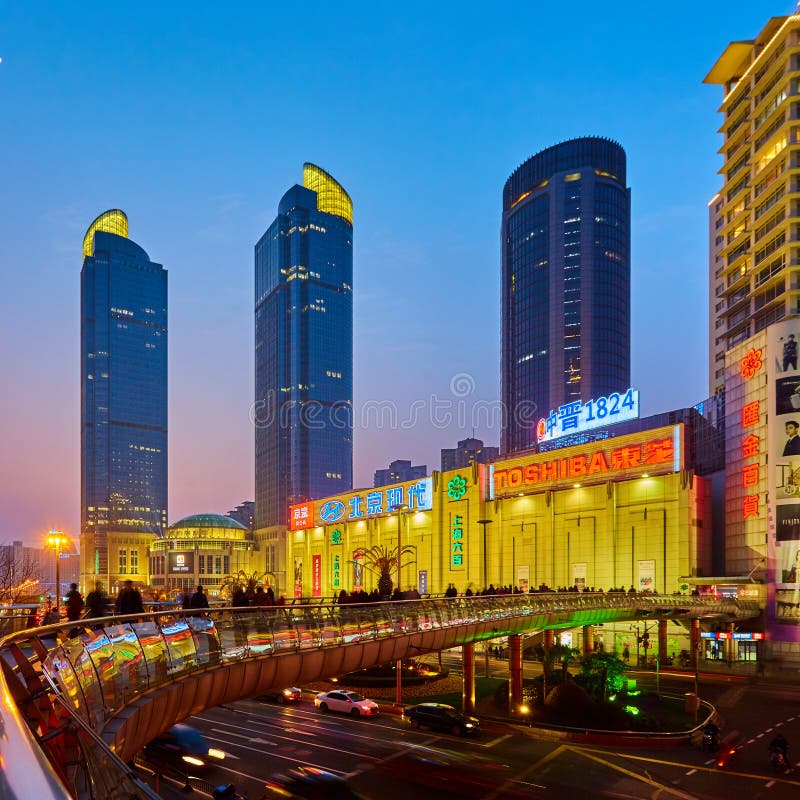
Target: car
[
  {"x": 346, "y": 703},
  {"x": 308, "y": 783},
  {"x": 182, "y": 743},
  {"x": 289, "y": 695},
  {"x": 441, "y": 717}
]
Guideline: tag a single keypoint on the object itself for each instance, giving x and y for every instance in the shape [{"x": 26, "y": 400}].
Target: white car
[{"x": 347, "y": 703}]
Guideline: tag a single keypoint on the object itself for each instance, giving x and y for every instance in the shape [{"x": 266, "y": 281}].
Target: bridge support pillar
[
  {"x": 730, "y": 645},
  {"x": 468, "y": 678},
  {"x": 694, "y": 641},
  {"x": 587, "y": 640},
  {"x": 515, "y": 670},
  {"x": 662, "y": 641},
  {"x": 548, "y": 638}
]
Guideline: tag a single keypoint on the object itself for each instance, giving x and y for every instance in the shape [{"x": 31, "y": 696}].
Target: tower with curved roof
[
  {"x": 123, "y": 394},
  {"x": 304, "y": 348}
]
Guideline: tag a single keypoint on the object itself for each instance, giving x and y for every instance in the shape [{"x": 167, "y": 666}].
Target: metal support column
[
  {"x": 548, "y": 639},
  {"x": 515, "y": 671},
  {"x": 695, "y": 644},
  {"x": 587, "y": 640},
  {"x": 662, "y": 641},
  {"x": 468, "y": 678}
]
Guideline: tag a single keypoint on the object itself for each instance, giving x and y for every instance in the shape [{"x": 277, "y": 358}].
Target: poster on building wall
[
  {"x": 298, "y": 576},
  {"x": 524, "y": 577},
  {"x": 358, "y": 570},
  {"x": 783, "y": 458},
  {"x": 336, "y": 573},
  {"x": 647, "y": 576},
  {"x": 316, "y": 576},
  {"x": 579, "y": 575},
  {"x": 422, "y": 581}
]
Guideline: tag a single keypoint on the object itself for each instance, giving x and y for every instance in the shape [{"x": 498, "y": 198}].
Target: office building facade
[
  {"x": 754, "y": 238},
  {"x": 565, "y": 283},
  {"x": 123, "y": 392},
  {"x": 304, "y": 348}
]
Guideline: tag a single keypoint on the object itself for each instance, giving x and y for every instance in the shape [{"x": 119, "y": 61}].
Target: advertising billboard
[
  {"x": 180, "y": 563},
  {"x": 577, "y": 417},
  {"x": 783, "y": 458}
]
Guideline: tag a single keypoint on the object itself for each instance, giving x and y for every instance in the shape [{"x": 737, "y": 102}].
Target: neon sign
[
  {"x": 457, "y": 542},
  {"x": 577, "y": 417}
]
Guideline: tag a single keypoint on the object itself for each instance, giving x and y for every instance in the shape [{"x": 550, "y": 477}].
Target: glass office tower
[
  {"x": 304, "y": 349},
  {"x": 123, "y": 389},
  {"x": 565, "y": 283}
]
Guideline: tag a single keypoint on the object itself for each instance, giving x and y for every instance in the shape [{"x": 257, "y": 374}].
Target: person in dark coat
[
  {"x": 199, "y": 600},
  {"x": 97, "y": 602},
  {"x": 74, "y": 603},
  {"x": 129, "y": 600},
  {"x": 239, "y": 598}
]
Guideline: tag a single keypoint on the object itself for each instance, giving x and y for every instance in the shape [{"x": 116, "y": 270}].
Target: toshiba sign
[{"x": 657, "y": 452}]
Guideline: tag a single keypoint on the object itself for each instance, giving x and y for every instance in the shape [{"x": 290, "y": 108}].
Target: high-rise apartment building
[
  {"x": 565, "y": 282},
  {"x": 399, "y": 471},
  {"x": 123, "y": 391},
  {"x": 304, "y": 349},
  {"x": 754, "y": 236},
  {"x": 469, "y": 451}
]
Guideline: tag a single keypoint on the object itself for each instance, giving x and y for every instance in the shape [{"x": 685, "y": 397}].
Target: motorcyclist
[
  {"x": 779, "y": 745},
  {"x": 710, "y": 735}
]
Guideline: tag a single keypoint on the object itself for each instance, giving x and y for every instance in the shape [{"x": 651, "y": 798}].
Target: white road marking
[
  {"x": 528, "y": 783},
  {"x": 711, "y": 760},
  {"x": 791, "y": 719},
  {"x": 769, "y": 730},
  {"x": 778, "y": 725},
  {"x": 750, "y": 741},
  {"x": 249, "y": 738},
  {"x": 497, "y": 740},
  {"x": 691, "y": 772},
  {"x": 293, "y": 758},
  {"x": 759, "y": 735},
  {"x": 769, "y": 785}
]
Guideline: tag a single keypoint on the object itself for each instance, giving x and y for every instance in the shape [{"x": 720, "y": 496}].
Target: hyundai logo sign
[{"x": 332, "y": 511}]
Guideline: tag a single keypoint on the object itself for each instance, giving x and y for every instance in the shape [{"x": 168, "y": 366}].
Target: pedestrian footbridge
[{"x": 79, "y": 702}]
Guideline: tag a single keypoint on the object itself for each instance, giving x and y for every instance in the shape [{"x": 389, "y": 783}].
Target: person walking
[
  {"x": 97, "y": 602},
  {"x": 129, "y": 600},
  {"x": 199, "y": 599},
  {"x": 75, "y": 603}
]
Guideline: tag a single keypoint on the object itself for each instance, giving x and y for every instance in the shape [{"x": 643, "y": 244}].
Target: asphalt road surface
[{"x": 384, "y": 759}]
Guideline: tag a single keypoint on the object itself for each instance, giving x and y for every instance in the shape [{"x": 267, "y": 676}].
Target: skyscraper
[
  {"x": 565, "y": 282},
  {"x": 123, "y": 390},
  {"x": 304, "y": 348},
  {"x": 753, "y": 245}
]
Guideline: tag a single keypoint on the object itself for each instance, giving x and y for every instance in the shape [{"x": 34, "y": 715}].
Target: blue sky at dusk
[{"x": 195, "y": 119}]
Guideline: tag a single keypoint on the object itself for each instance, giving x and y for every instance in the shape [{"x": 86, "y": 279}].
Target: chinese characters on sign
[
  {"x": 316, "y": 576},
  {"x": 417, "y": 496},
  {"x": 301, "y": 516},
  {"x": 655, "y": 454},
  {"x": 576, "y": 417},
  {"x": 336, "y": 572},
  {"x": 457, "y": 542},
  {"x": 750, "y": 446}
]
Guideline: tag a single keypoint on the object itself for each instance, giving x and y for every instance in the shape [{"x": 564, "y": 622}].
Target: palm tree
[
  {"x": 247, "y": 582},
  {"x": 383, "y": 560}
]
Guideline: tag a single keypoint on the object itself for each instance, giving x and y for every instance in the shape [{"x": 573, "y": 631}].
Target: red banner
[{"x": 316, "y": 576}]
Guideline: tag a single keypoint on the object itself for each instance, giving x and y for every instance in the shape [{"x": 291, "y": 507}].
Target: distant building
[
  {"x": 123, "y": 396},
  {"x": 398, "y": 472},
  {"x": 304, "y": 349},
  {"x": 244, "y": 514},
  {"x": 468, "y": 450}
]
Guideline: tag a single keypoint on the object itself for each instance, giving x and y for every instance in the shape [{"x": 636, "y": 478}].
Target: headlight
[
  {"x": 469, "y": 725},
  {"x": 195, "y": 762},
  {"x": 287, "y": 692},
  {"x": 214, "y": 753}
]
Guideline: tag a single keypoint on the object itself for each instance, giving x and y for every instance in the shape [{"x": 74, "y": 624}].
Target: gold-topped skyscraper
[{"x": 754, "y": 237}]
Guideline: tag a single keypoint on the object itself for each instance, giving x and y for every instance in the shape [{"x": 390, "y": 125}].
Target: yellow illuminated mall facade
[{"x": 619, "y": 512}]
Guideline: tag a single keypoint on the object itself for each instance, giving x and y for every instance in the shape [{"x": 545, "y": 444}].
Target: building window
[
  {"x": 217, "y": 565},
  {"x": 134, "y": 561},
  {"x": 123, "y": 561},
  {"x": 201, "y": 568},
  {"x": 227, "y": 565}
]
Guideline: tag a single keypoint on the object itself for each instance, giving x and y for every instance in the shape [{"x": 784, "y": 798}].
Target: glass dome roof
[{"x": 208, "y": 521}]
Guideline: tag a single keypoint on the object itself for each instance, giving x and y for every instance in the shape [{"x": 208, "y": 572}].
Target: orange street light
[{"x": 57, "y": 540}]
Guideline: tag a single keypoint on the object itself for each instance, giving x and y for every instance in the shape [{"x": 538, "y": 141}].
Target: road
[{"x": 262, "y": 739}]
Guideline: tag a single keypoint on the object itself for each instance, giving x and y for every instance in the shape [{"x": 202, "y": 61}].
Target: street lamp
[
  {"x": 484, "y": 522},
  {"x": 398, "y": 508},
  {"x": 57, "y": 540}
]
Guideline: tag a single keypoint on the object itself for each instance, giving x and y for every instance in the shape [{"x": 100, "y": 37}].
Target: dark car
[
  {"x": 308, "y": 783},
  {"x": 289, "y": 695},
  {"x": 440, "y": 717},
  {"x": 184, "y": 747}
]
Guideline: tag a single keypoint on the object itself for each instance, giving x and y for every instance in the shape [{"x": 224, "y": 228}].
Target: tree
[
  {"x": 18, "y": 576},
  {"x": 247, "y": 582},
  {"x": 602, "y": 673},
  {"x": 383, "y": 561}
]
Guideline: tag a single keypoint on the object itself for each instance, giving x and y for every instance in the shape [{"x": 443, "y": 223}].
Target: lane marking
[
  {"x": 777, "y": 725},
  {"x": 768, "y": 730},
  {"x": 769, "y": 785},
  {"x": 497, "y": 740},
  {"x": 497, "y": 793},
  {"x": 630, "y": 773},
  {"x": 750, "y": 741},
  {"x": 710, "y": 761},
  {"x": 791, "y": 719},
  {"x": 691, "y": 772},
  {"x": 252, "y": 739},
  {"x": 759, "y": 735}
]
